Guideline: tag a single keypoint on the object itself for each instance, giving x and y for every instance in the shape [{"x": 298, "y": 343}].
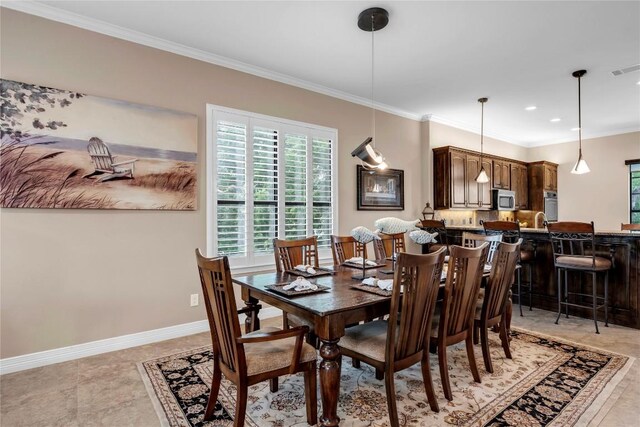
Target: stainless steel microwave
[{"x": 503, "y": 200}]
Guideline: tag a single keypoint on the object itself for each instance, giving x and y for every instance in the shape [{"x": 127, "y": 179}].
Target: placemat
[
  {"x": 292, "y": 293},
  {"x": 320, "y": 271}
]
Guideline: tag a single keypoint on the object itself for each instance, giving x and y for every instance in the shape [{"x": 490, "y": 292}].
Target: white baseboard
[{"x": 64, "y": 354}]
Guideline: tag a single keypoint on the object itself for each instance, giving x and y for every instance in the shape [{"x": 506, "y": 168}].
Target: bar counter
[{"x": 624, "y": 277}]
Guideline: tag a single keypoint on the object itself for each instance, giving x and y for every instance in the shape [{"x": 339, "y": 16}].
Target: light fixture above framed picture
[{"x": 371, "y": 20}]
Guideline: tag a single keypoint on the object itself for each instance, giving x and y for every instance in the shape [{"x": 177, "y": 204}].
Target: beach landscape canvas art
[{"x": 64, "y": 149}]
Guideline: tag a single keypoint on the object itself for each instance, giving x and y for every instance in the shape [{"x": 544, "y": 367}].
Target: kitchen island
[{"x": 624, "y": 277}]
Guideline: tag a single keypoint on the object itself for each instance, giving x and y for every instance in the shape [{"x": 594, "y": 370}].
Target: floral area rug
[{"x": 549, "y": 382}]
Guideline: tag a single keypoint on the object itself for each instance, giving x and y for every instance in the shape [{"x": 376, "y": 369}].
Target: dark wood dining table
[{"x": 329, "y": 311}]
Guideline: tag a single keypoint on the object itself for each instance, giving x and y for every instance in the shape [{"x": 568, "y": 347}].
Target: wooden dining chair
[
  {"x": 254, "y": 357},
  {"x": 629, "y": 227},
  {"x": 510, "y": 231},
  {"x": 402, "y": 341},
  {"x": 491, "y": 309},
  {"x": 383, "y": 247},
  {"x": 288, "y": 254},
  {"x": 472, "y": 240},
  {"x": 346, "y": 247},
  {"x": 453, "y": 322}
]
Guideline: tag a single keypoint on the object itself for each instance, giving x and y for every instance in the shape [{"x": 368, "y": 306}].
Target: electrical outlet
[{"x": 194, "y": 300}]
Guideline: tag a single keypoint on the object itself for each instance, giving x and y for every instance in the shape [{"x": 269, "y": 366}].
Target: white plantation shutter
[
  {"x": 295, "y": 199},
  {"x": 322, "y": 190},
  {"x": 231, "y": 188},
  {"x": 265, "y": 189},
  {"x": 273, "y": 178}
]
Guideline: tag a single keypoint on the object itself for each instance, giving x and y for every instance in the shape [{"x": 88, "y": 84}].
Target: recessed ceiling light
[
  {"x": 575, "y": 129},
  {"x": 531, "y": 108},
  {"x": 555, "y": 120},
  {"x": 638, "y": 83}
]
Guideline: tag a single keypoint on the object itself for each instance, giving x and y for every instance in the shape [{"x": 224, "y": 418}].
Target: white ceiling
[{"x": 434, "y": 58}]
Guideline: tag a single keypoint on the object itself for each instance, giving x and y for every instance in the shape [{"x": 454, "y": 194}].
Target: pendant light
[
  {"x": 482, "y": 177},
  {"x": 581, "y": 166},
  {"x": 372, "y": 20}
]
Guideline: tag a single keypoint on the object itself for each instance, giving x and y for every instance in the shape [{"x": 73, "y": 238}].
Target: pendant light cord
[
  {"x": 579, "y": 117},
  {"x": 481, "y": 132},
  {"x": 373, "y": 110}
]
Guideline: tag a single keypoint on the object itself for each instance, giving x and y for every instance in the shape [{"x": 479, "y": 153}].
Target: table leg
[
  {"x": 252, "y": 322},
  {"x": 330, "y": 382}
]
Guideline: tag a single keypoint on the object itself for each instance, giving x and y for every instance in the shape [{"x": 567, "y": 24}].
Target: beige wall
[
  {"x": 74, "y": 276},
  {"x": 601, "y": 196}
]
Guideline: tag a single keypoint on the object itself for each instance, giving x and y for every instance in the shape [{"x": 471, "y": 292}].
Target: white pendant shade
[
  {"x": 482, "y": 177},
  {"x": 580, "y": 167}
]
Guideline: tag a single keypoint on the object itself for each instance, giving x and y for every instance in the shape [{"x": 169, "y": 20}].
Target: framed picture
[
  {"x": 380, "y": 190},
  {"x": 69, "y": 150}
]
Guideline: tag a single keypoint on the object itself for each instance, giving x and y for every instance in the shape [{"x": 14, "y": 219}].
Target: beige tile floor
[{"x": 106, "y": 390}]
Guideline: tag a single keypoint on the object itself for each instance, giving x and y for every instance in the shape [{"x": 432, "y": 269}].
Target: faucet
[{"x": 535, "y": 219}]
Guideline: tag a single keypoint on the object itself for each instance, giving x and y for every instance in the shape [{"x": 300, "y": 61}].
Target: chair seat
[
  {"x": 527, "y": 255},
  {"x": 581, "y": 262},
  {"x": 368, "y": 339},
  {"x": 273, "y": 355},
  {"x": 295, "y": 320}
]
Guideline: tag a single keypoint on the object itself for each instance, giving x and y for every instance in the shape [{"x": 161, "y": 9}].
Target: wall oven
[
  {"x": 551, "y": 206},
  {"x": 503, "y": 200}
]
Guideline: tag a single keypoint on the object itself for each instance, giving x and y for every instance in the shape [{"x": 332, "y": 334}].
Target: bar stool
[
  {"x": 568, "y": 240},
  {"x": 511, "y": 234}
]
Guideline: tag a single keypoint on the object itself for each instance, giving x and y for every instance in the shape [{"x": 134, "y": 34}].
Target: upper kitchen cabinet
[
  {"x": 519, "y": 185},
  {"x": 454, "y": 179},
  {"x": 502, "y": 174},
  {"x": 543, "y": 176}
]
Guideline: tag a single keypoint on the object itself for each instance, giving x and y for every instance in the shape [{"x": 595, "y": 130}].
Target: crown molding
[
  {"x": 587, "y": 137},
  {"x": 98, "y": 26},
  {"x": 473, "y": 129}
]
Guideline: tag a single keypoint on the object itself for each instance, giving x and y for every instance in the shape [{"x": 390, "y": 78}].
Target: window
[
  {"x": 272, "y": 178},
  {"x": 634, "y": 183}
]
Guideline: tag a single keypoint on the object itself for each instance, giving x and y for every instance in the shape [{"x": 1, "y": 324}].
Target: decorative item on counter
[
  {"x": 363, "y": 235},
  {"x": 581, "y": 166},
  {"x": 422, "y": 237},
  {"x": 428, "y": 212},
  {"x": 392, "y": 225}
]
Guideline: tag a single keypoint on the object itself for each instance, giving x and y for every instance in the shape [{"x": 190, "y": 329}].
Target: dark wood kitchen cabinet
[
  {"x": 455, "y": 185},
  {"x": 502, "y": 174},
  {"x": 543, "y": 176},
  {"x": 519, "y": 185}
]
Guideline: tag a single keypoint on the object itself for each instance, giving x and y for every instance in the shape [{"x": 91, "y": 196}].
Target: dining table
[{"x": 329, "y": 311}]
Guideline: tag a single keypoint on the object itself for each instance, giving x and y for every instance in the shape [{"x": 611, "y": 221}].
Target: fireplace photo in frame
[{"x": 380, "y": 190}]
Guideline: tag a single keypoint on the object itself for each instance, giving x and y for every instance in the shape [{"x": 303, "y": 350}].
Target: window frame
[
  {"x": 632, "y": 166},
  {"x": 253, "y": 262}
]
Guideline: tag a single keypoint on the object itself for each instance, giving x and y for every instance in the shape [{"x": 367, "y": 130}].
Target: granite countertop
[{"x": 617, "y": 233}]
